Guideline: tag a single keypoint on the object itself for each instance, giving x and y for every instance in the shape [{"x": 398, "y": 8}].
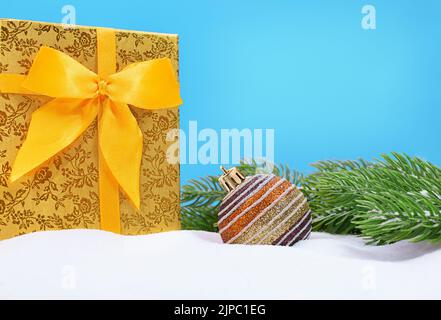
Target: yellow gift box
[{"x": 84, "y": 118}]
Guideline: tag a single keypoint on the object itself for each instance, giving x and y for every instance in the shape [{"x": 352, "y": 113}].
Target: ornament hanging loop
[{"x": 230, "y": 179}]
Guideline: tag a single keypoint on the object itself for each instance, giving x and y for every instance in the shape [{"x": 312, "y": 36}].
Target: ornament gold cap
[{"x": 230, "y": 179}]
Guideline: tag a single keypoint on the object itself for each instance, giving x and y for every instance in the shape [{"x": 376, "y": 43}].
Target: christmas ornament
[{"x": 262, "y": 209}]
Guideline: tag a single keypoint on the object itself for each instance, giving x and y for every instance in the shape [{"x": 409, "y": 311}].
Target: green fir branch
[
  {"x": 386, "y": 200},
  {"x": 200, "y": 201}
]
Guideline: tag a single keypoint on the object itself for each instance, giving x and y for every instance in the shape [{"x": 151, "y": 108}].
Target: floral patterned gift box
[{"x": 64, "y": 192}]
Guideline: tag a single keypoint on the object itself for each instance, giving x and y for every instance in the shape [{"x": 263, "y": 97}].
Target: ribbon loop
[
  {"x": 57, "y": 75},
  {"x": 147, "y": 85}
]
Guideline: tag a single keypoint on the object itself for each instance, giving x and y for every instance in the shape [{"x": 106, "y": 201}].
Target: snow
[
  {"x": 91, "y": 264},
  {"x": 425, "y": 193}
]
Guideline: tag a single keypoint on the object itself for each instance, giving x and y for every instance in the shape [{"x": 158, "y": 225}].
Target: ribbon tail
[
  {"x": 53, "y": 127},
  {"x": 121, "y": 143}
]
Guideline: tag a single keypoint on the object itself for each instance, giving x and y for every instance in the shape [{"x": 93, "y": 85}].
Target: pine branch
[
  {"x": 393, "y": 216},
  {"x": 200, "y": 201},
  {"x": 332, "y": 192},
  {"x": 404, "y": 202},
  {"x": 203, "y": 192},
  {"x": 203, "y": 218},
  {"x": 388, "y": 200}
]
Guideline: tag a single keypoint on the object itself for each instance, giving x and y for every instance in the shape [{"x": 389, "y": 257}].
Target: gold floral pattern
[{"x": 63, "y": 193}]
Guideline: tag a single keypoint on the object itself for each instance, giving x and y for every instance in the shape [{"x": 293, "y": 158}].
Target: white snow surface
[{"x": 92, "y": 264}]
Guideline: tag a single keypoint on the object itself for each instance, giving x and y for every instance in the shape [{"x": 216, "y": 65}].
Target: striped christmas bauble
[{"x": 264, "y": 209}]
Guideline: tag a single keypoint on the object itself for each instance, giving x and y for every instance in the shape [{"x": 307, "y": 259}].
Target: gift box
[{"x": 87, "y": 183}]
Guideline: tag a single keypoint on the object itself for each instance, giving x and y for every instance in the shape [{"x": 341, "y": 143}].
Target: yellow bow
[{"x": 80, "y": 96}]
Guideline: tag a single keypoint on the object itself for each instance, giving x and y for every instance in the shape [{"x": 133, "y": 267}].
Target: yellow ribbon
[{"x": 82, "y": 95}]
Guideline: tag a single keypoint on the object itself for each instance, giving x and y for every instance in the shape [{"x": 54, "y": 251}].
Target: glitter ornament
[{"x": 262, "y": 209}]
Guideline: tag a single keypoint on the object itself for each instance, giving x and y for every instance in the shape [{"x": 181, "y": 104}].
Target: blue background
[{"x": 329, "y": 88}]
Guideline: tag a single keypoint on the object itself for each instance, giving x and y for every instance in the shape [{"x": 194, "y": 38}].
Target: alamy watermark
[
  {"x": 69, "y": 16},
  {"x": 369, "y": 17},
  {"x": 224, "y": 146},
  {"x": 368, "y": 278},
  {"x": 68, "y": 277}
]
